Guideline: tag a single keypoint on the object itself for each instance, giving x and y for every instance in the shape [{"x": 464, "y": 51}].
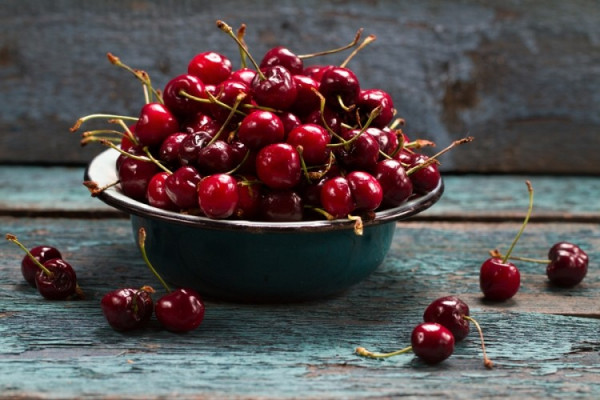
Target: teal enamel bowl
[{"x": 249, "y": 261}]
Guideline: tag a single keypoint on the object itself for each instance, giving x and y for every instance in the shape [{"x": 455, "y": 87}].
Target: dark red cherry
[
  {"x": 370, "y": 99},
  {"x": 282, "y": 56},
  {"x": 307, "y": 100},
  {"x": 499, "y": 280},
  {"x": 191, "y": 145},
  {"x": 197, "y": 122},
  {"x": 432, "y": 342},
  {"x": 60, "y": 283},
  {"x": 181, "y": 187},
  {"x": 568, "y": 264},
  {"x": 179, "y": 104},
  {"x": 314, "y": 140},
  {"x": 260, "y": 128},
  {"x": 336, "y": 197},
  {"x": 275, "y": 88},
  {"x": 340, "y": 87},
  {"x": 361, "y": 154},
  {"x": 181, "y": 310},
  {"x": 212, "y": 68},
  {"x": 290, "y": 121},
  {"x": 134, "y": 177},
  {"x": 215, "y": 157},
  {"x": 227, "y": 93},
  {"x": 366, "y": 190},
  {"x": 328, "y": 119},
  {"x": 395, "y": 184},
  {"x": 281, "y": 205},
  {"x": 249, "y": 198},
  {"x": 387, "y": 140},
  {"x": 449, "y": 311},
  {"x": 218, "y": 196},
  {"x": 278, "y": 166},
  {"x": 157, "y": 193},
  {"x": 29, "y": 269},
  {"x": 170, "y": 147},
  {"x": 426, "y": 178},
  {"x": 127, "y": 309},
  {"x": 154, "y": 124},
  {"x": 244, "y": 158}
]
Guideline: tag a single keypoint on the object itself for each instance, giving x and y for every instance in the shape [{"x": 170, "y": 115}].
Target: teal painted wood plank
[
  {"x": 541, "y": 344},
  {"x": 59, "y": 189}
]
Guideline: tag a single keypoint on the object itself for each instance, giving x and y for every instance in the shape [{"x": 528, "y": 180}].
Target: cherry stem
[
  {"x": 240, "y": 97},
  {"x": 237, "y": 167},
  {"x": 374, "y": 113},
  {"x": 227, "y": 29},
  {"x": 142, "y": 244},
  {"x": 142, "y": 76},
  {"x": 95, "y": 190},
  {"x": 358, "y": 224},
  {"x": 396, "y": 122},
  {"x": 529, "y": 209},
  {"x": 332, "y": 51},
  {"x": 13, "y": 238},
  {"x": 81, "y": 120},
  {"x": 433, "y": 159},
  {"x": 369, "y": 39},
  {"x": 486, "y": 361},
  {"x": 361, "y": 351},
  {"x": 495, "y": 253},
  {"x": 240, "y": 35}
]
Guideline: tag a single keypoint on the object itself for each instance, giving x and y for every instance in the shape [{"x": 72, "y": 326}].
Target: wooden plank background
[{"x": 520, "y": 76}]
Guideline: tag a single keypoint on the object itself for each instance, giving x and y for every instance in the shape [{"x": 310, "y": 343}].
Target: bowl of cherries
[{"x": 278, "y": 181}]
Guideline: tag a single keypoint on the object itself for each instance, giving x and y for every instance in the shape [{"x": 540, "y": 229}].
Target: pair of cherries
[
  {"x": 500, "y": 279},
  {"x": 180, "y": 310},
  {"x": 44, "y": 268},
  {"x": 446, "y": 321}
]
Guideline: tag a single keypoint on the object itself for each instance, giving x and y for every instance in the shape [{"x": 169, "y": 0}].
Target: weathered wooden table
[{"x": 545, "y": 342}]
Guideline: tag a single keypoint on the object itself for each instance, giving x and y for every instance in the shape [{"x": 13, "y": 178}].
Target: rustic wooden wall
[{"x": 523, "y": 77}]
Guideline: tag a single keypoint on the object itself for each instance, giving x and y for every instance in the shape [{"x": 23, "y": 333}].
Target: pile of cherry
[{"x": 278, "y": 142}]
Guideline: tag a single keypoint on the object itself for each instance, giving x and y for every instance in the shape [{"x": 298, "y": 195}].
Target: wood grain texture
[
  {"x": 517, "y": 75},
  {"x": 543, "y": 342}
]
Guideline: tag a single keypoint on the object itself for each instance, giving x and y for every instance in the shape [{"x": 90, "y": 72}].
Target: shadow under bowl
[{"x": 253, "y": 261}]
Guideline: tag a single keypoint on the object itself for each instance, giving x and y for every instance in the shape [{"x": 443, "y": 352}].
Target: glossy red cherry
[
  {"x": 243, "y": 75},
  {"x": 228, "y": 93},
  {"x": 190, "y": 146},
  {"x": 307, "y": 100},
  {"x": 155, "y": 123},
  {"x": 568, "y": 264},
  {"x": 290, "y": 121},
  {"x": 499, "y": 280},
  {"x": 314, "y": 140},
  {"x": 432, "y": 342},
  {"x": 361, "y": 154},
  {"x": 210, "y": 67},
  {"x": 249, "y": 198},
  {"x": 218, "y": 196},
  {"x": 59, "y": 283},
  {"x": 395, "y": 183},
  {"x": 181, "y": 187},
  {"x": 366, "y": 190},
  {"x": 336, "y": 197},
  {"x": 181, "y": 310},
  {"x": 449, "y": 311},
  {"x": 127, "y": 309},
  {"x": 283, "y": 56},
  {"x": 157, "y": 193},
  {"x": 177, "y": 102},
  {"x": 274, "y": 88},
  {"x": 424, "y": 179},
  {"x": 216, "y": 157},
  {"x": 135, "y": 175},
  {"x": 278, "y": 166},
  {"x": 340, "y": 87},
  {"x": 29, "y": 268},
  {"x": 260, "y": 128},
  {"x": 169, "y": 148},
  {"x": 328, "y": 119},
  {"x": 370, "y": 99}
]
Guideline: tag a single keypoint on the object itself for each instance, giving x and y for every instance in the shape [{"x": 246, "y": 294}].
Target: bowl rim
[{"x": 102, "y": 170}]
